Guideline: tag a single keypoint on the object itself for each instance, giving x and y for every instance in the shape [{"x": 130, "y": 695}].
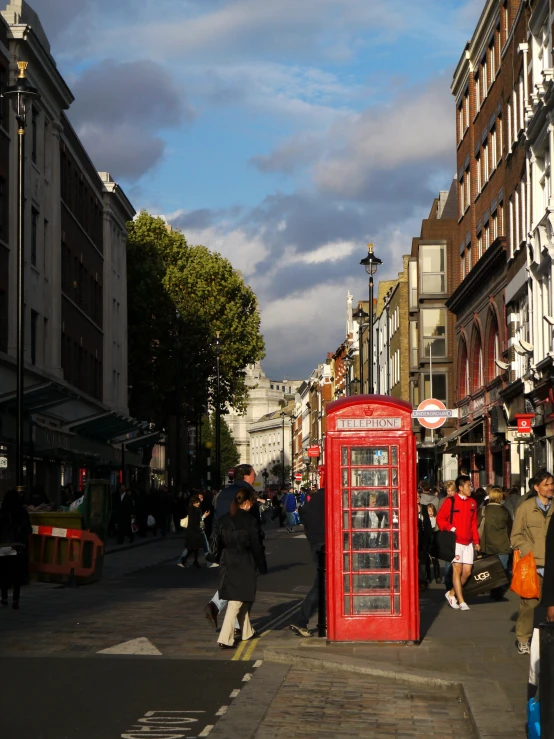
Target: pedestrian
[
  {"x": 433, "y": 561},
  {"x": 243, "y": 557},
  {"x": 529, "y": 532},
  {"x": 125, "y": 511},
  {"x": 449, "y": 490},
  {"x": 496, "y": 527},
  {"x": 244, "y": 478},
  {"x": 195, "y": 538},
  {"x": 424, "y": 539},
  {"x": 312, "y": 517},
  {"x": 548, "y": 580},
  {"x": 513, "y": 499},
  {"x": 288, "y": 504},
  {"x": 15, "y": 530},
  {"x": 460, "y": 516}
]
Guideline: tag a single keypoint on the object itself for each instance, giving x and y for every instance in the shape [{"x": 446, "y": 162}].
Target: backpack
[{"x": 290, "y": 503}]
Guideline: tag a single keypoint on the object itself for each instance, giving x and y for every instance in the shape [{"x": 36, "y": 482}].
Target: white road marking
[
  {"x": 162, "y": 725},
  {"x": 258, "y": 663},
  {"x": 247, "y": 677},
  {"x": 222, "y": 710},
  {"x": 300, "y": 536},
  {"x": 140, "y": 646},
  {"x": 234, "y": 693},
  {"x": 206, "y": 731}
]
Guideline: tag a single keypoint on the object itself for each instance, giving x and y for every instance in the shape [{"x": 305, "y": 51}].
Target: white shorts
[{"x": 464, "y": 554}]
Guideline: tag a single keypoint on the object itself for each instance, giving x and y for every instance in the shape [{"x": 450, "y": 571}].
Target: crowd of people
[{"x": 490, "y": 521}]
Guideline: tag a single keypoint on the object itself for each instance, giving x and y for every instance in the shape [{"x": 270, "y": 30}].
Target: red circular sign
[
  {"x": 432, "y": 404},
  {"x": 298, "y": 476}
]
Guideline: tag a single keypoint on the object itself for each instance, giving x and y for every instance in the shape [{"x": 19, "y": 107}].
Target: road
[{"x": 134, "y": 656}]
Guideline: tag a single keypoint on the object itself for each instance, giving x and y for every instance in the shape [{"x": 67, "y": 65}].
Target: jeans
[
  {"x": 504, "y": 558},
  {"x": 311, "y": 601}
]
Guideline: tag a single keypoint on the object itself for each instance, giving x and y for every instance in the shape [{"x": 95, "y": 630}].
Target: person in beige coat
[{"x": 531, "y": 523}]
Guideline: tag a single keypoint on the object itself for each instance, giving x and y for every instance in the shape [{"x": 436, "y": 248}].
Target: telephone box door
[{"x": 371, "y": 522}]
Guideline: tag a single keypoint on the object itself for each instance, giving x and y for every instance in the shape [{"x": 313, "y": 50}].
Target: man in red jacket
[{"x": 459, "y": 514}]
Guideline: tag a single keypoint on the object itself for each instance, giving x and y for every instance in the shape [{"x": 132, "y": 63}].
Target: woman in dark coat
[
  {"x": 497, "y": 528},
  {"x": 15, "y": 529},
  {"x": 194, "y": 532},
  {"x": 243, "y": 556}
]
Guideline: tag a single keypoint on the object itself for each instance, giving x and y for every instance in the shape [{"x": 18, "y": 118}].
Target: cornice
[{"x": 480, "y": 273}]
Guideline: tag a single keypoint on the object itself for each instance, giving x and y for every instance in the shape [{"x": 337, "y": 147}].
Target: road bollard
[
  {"x": 546, "y": 679},
  {"x": 321, "y": 615}
]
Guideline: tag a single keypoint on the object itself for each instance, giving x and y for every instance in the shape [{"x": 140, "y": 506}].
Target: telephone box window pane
[
  {"x": 395, "y": 540},
  {"x": 394, "y": 455},
  {"x": 370, "y": 455},
  {"x": 346, "y": 562},
  {"x": 345, "y": 498},
  {"x": 369, "y": 520},
  {"x": 370, "y": 541},
  {"x": 345, "y": 520},
  {"x": 346, "y": 541},
  {"x": 370, "y": 499},
  {"x": 394, "y": 476},
  {"x": 347, "y": 610},
  {"x": 361, "y": 562},
  {"x": 371, "y": 604},
  {"x": 395, "y": 519},
  {"x": 344, "y": 454},
  {"x": 345, "y": 477},
  {"x": 396, "y": 583},
  {"x": 396, "y": 563},
  {"x": 370, "y": 478},
  {"x": 347, "y": 583},
  {"x": 397, "y": 604},
  {"x": 370, "y": 582},
  {"x": 395, "y": 498}
]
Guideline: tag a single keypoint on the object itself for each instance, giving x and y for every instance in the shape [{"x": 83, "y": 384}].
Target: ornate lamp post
[
  {"x": 360, "y": 316},
  {"x": 217, "y": 478},
  {"x": 21, "y": 94},
  {"x": 371, "y": 262},
  {"x": 355, "y": 386}
]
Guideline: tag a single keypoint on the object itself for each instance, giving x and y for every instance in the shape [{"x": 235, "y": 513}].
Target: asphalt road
[{"x": 115, "y": 697}]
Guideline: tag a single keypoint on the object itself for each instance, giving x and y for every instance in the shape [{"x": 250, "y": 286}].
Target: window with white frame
[
  {"x": 523, "y": 190},
  {"x": 484, "y": 79},
  {"x": 500, "y": 126},
  {"x": 516, "y": 219},
  {"x": 412, "y": 283},
  {"x": 468, "y": 188},
  {"x": 485, "y": 157},
  {"x": 494, "y": 153},
  {"x": 461, "y": 126},
  {"x": 414, "y": 346},
  {"x": 479, "y": 173},
  {"x": 509, "y": 120},
  {"x": 461, "y": 196},
  {"x": 521, "y": 102},
  {"x": 511, "y": 214},
  {"x": 477, "y": 90},
  {"x": 466, "y": 109},
  {"x": 515, "y": 128},
  {"x": 479, "y": 244},
  {"x": 432, "y": 268},
  {"x": 544, "y": 183},
  {"x": 494, "y": 226},
  {"x": 463, "y": 264},
  {"x": 492, "y": 60},
  {"x": 433, "y": 330},
  {"x": 486, "y": 236}
]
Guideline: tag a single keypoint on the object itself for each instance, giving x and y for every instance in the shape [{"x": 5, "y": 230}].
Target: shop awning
[
  {"x": 37, "y": 398},
  {"x": 141, "y": 441},
  {"x": 467, "y": 438},
  {"x": 104, "y": 426}
]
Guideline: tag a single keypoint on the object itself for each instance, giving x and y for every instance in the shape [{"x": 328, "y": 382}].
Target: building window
[
  {"x": 492, "y": 61},
  {"x": 478, "y": 379},
  {"x": 461, "y": 127},
  {"x": 34, "y": 323},
  {"x": 493, "y": 350},
  {"x": 432, "y": 268},
  {"x": 412, "y": 284},
  {"x": 434, "y": 386},
  {"x": 414, "y": 347},
  {"x": 468, "y": 189},
  {"x": 34, "y": 127},
  {"x": 485, "y": 158},
  {"x": 479, "y": 245},
  {"x": 45, "y": 247},
  {"x": 494, "y": 153},
  {"x": 433, "y": 329},
  {"x": 463, "y": 264},
  {"x": 477, "y": 91},
  {"x": 34, "y": 225},
  {"x": 463, "y": 388},
  {"x": 414, "y": 387},
  {"x": 479, "y": 173}
]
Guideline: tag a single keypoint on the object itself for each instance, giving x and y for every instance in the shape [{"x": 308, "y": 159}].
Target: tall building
[{"x": 75, "y": 373}]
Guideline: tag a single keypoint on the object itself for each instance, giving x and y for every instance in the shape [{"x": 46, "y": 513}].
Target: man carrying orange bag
[{"x": 529, "y": 535}]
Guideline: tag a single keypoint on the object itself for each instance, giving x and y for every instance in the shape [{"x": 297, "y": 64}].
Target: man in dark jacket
[
  {"x": 312, "y": 516},
  {"x": 125, "y": 510},
  {"x": 243, "y": 478},
  {"x": 548, "y": 579}
]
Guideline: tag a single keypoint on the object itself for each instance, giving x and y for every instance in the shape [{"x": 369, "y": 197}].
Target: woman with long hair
[
  {"x": 194, "y": 532},
  {"x": 15, "y": 529},
  {"x": 242, "y": 558}
]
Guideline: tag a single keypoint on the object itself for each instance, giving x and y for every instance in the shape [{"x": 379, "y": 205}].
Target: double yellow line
[{"x": 246, "y": 648}]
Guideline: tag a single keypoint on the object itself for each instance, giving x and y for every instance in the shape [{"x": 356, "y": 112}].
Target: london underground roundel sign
[{"x": 430, "y": 417}]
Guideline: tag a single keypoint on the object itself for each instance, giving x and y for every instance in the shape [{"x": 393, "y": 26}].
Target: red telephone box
[{"x": 371, "y": 520}]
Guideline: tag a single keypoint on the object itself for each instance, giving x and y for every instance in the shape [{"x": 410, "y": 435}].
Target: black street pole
[
  {"x": 371, "y": 262},
  {"x": 360, "y": 315},
  {"x": 292, "y": 420},
  {"x": 283, "y": 451},
  {"x": 21, "y": 93},
  {"x": 217, "y": 418}
]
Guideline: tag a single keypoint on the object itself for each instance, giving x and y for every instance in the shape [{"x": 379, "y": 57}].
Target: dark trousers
[
  {"x": 10, "y": 576},
  {"x": 311, "y": 601}
]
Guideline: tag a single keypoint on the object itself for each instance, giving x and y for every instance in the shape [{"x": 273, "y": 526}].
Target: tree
[
  {"x": 276, "y": 471},
  {"x": 230, "y": 456},
  {"x": 178, "y": 298}
]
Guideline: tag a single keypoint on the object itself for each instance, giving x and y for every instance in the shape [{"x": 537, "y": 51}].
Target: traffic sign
[
  {"x": 231, "y": 472},
  {"x": 432, "y": 413},
  {"x": 298, "y": 476}
]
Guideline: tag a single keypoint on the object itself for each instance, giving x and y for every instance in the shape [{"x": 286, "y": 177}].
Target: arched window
[
  {"x": 493, "y": 353},
  {"x": 463, "y": 388},
  {"x": 477, "y": 375}
]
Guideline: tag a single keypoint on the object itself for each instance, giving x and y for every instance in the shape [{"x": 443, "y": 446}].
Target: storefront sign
[{"x": 524, "y": 423}]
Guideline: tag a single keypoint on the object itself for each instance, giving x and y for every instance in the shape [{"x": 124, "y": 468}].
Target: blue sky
[{"x": 284, "y": 134}]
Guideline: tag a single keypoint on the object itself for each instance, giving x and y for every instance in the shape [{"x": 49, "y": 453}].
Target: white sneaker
[
  {"x": 452, "y": 602},
  {"x": 464, "y": 606}
]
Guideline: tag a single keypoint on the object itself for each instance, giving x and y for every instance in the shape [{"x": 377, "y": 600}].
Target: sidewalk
[{"x": 469, "y": 655}]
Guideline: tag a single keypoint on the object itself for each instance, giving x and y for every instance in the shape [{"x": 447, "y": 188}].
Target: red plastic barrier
[{"x": 65, "y": 555}]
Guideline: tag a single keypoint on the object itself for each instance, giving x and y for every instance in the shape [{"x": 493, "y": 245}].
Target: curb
[{"x": 488, "y": 708}]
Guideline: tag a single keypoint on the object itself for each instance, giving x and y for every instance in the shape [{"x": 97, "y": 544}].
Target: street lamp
[
  {"x": 217, "y": 414},
  {"x": 22, "y": 94},
  {"x": 355, "y": 386},
  {"x": 371, "y": 262},
  {"x": 208, "y": 445},
  {"x": 283, "y": 414},
  {"x": 360, "y": 315},
  {"x": 292, "y": 420}
]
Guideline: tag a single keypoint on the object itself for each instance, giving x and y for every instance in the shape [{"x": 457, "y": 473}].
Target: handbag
[
  {"x": 444, "y": 542},
  {"x": 184, "y": 522},
  {"x": 525, "y": 579},
  {"x": 487, "y": 574},
  {"x": 213, "y": 555}
]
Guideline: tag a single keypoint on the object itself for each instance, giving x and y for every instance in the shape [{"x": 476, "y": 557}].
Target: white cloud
[{"x": 243, "y": 251}]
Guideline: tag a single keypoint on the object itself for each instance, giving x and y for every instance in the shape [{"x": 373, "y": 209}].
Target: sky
[{"x": 284, "y": 134}]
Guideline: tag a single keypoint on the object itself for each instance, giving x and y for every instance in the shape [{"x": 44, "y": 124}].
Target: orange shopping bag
[{"x": 525, "y": 580}]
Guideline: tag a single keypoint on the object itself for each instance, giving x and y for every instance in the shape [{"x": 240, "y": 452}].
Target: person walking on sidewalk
[
  {"x": 529, "y": 533},
  {"x": 289, "y": 506},
  {"x": 242, "y": 558},
  {"x": 195, "y": 538},
  {"x": 15, "y": 530},
  {"x": 496, "y": 527},
  {"x": 125, "y": 511},
  {"x": 459, "y": 514},
  {"x": 312, "y": 516}
]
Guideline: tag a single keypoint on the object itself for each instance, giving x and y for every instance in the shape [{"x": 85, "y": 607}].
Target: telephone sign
[{"x": 371, "y": 520}]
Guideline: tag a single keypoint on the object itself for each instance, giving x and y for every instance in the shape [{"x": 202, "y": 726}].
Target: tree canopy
[
  {"x": 179, "y": 297},
  {"x": 229, "y": 453}
]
